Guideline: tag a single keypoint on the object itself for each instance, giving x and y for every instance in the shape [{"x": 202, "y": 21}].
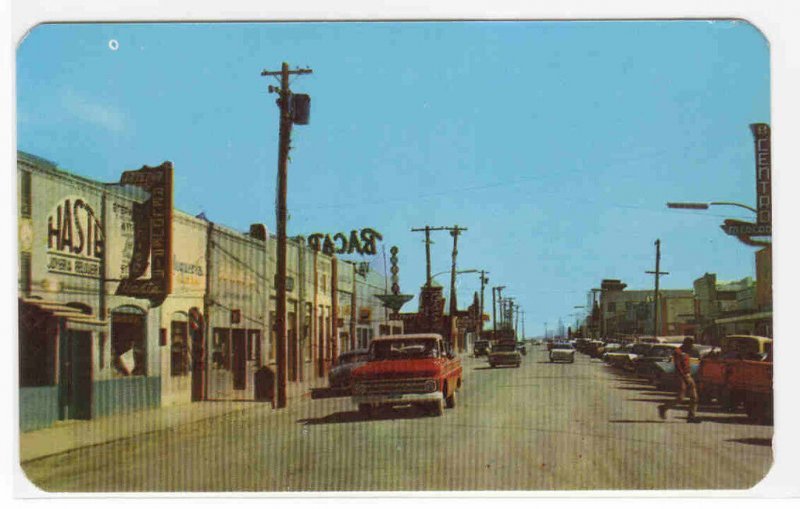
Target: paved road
[{"x": 540, "y": 427}]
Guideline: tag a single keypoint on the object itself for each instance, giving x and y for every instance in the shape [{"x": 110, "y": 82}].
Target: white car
[{"x": 562, "y": 352}]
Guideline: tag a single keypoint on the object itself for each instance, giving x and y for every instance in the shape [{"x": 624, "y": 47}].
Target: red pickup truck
[
  {"x": 714, "y": 374},
  {"x": 750, "y": 382},
  {"x": 409, "y": 369}
]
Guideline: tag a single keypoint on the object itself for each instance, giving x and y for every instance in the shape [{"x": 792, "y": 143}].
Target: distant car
[
  {"x": 339, "y": 376},
  {"x": 481, "y": 348},
  {"x": 505, "y": 354},
  {"x": 562, "y": 352},
  {"x": 521, "y": 348}
]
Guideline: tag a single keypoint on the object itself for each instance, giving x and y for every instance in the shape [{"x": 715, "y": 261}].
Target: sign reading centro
[{"x": 363, "y": 243}]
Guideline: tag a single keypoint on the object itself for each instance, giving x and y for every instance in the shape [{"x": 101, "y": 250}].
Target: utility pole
[
  {"x": 516, "y": 322},
  {"x": 495, "y": 289},
  {"x": 600, "y": 327},
  {"x": 428, "y": 229},
  {"x": 284, "y": 143},
  {"x": 523, "y": 325},
  {"x": 500, "y": 307},
  {"x": 657, "y": 273},
  {"x": 545, "y": 330},
  {"x": 484, "y": 280},
  {"x": 455, "y": 231}
]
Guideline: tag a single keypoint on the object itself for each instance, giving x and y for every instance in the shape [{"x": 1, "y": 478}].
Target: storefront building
[
  {"x": 236, "y": 303},
  {"x": 86, "y": 350},
  {"x": 189, "y": 274}
]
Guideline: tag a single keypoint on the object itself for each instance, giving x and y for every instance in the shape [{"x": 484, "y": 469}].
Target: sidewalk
[{"x": 68, "y": 435}]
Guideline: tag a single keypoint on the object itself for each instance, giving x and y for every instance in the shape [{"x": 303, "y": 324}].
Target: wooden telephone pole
[
  {"x": 657, "y": 273},
  {"x": 484, "y": 280},
  {"x": 284, "y": 142},
  {"x": 428, "y": 229},
  {"x": 455, "y": 231}
]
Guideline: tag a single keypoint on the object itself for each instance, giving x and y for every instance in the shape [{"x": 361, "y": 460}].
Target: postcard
[{"x": 396, "y": 256}]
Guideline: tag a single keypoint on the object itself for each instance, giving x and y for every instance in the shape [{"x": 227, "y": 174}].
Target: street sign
[{"x": 749, "y": 229}]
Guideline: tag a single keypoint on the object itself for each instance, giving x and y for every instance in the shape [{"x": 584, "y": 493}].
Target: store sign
[
  {"x": 363, "y": 242},
  {"x": 739, "y": 228},
  {"x": 75, "y": 240},
  {"x": 761, "y": 135},
  {"x": 152, "y": 237},
  {"x": 188, "y": 274}
]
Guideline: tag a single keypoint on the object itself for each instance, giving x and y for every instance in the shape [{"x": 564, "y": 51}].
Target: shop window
[
  {"x": 25, "y": 194},
  {"x": 179, "y": 349},
  {"x": 272, "y": 336},
  {"x": 383, "y": 330},
  {"x": 101, "y": 351},
  {"x": 38, "y": 335},
  {"x": 25, "y": 272},
  {"x": 611, "y": 307},
  {"x": 128, "y": 341},
  {"x": 220, "y": 353},
  {"x": 254, "y": 346}
]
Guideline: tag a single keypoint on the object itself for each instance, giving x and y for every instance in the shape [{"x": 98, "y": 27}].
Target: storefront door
[
  {"x": 239, "y": 359},
  {"x": 76, "y": 375}
]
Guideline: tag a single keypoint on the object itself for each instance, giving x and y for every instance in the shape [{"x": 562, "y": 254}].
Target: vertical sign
[
  {"x": 152, "y": 235},
  {"x": 761, "y": 134}
]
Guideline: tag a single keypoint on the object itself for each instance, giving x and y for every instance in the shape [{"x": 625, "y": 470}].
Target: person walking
[{"x": 680, "y": 357}]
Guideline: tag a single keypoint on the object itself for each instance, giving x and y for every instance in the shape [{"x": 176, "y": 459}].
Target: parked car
[
  {"x": 562, "y": 352},
  {"x": 663, "y": 372},
  {"x": 610, "y": 348},
  {"x": 340, "y": 375},
  {"x": 616, "y": 357},
  {"x": 638, "y": 350},
  {"x": 406, "y": 369},
  {"x": 480, "y": 348},
  {"x": 646, "y": 366},
  {"x": 521, "y": 348},
  {"x": 505, "y": 354},
  {"x": 595, "y": 348}
]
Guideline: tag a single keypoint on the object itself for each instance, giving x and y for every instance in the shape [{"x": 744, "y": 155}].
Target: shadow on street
[
  {"x": 765, "y": 442},
  {"x": 383, "y": 414},
  {"x": 644, "y": 421}
]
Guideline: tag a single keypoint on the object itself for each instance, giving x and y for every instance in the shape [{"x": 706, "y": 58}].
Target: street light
[
  {"x": 465, "y": 271},
  {"x": 705, "y": 206}
]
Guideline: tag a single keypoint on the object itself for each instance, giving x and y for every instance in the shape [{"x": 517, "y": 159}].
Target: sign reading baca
[
  {"x": 75, "y": 239},
  {"x": 363, "y": 242}
]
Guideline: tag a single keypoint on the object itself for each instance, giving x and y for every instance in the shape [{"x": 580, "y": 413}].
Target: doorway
[
  {"x": 76, "y": 375},
  {"x": 239, "y": 359}
]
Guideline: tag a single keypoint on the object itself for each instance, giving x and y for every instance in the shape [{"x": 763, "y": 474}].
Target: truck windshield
[{"x": 404, "y": 349}]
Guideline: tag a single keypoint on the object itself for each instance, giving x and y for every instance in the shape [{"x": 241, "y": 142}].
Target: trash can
[{"x": 264, "y": 384}]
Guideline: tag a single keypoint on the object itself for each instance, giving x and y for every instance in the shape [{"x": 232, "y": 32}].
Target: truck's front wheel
[{"x": 450, "y": 400}]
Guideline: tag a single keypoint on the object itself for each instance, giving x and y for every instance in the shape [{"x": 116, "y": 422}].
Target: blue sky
[{"x": 556, "y": 144}]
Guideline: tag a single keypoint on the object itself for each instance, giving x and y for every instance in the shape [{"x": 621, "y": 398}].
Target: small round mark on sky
[{"x": 113, "y": 45}]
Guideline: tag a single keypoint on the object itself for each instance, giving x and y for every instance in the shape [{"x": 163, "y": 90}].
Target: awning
[
  {"x": 763, "y": 315},
  {"x": 75, "y": 319}
]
